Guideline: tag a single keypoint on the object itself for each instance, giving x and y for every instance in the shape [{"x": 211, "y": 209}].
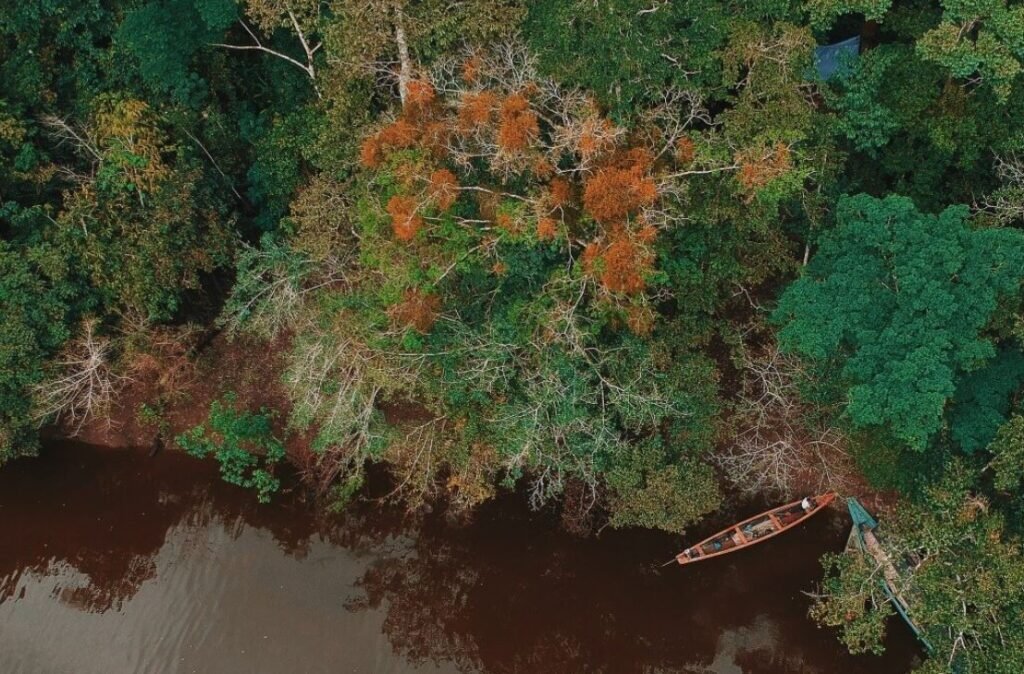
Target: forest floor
[{"x": 249, "y": 369}]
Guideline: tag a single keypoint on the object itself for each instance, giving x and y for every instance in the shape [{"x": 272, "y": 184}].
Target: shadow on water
[
  {"x": 171, "y": 570},
  {"x": 512, "y": 593},
  {"x": 107, "y": 513}
]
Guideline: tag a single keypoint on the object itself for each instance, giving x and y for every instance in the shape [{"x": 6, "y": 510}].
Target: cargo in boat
[{"x": 756, "y": 529}]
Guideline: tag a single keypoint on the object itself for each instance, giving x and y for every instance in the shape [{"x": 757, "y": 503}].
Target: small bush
[{"x": 243, "y": 444}]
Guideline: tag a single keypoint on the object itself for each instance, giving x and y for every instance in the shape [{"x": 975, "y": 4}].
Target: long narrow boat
[
  {"x": 757, "y": 529},
  {"x": 864, "y": 540}
]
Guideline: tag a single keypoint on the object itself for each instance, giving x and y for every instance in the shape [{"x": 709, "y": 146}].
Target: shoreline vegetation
[{"x": 627, "y": 256}]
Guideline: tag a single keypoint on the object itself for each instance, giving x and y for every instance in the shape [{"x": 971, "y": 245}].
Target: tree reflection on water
[
  {"x": 511, "y": 593},
  {"x": 508, "y": 591}
]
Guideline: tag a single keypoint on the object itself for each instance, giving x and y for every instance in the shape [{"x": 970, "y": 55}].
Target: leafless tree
[
  {"x": 278, "y": 289},
  {"x": 269, "y": 15},
  {"x": 1006, "y": 204},
  {"x": 417, "y": 460},
  {"x": 677, "y": 111},
  {"x": 81, "y": 141},
  {"x": 159, "y": 355},
  {"x": 65, "y": 133},
  {"x": 84, "y": 384},
  {"x": 371, "y": 38},
  {"x": 777, "y": 447},
  {"x": 335, "y": 382},
  {"x": 404, "y": 60}
]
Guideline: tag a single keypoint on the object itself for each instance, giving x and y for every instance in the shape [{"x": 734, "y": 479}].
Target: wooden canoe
[
  {"x": 755, "y": 530},
  {"x": 863, "y": 539}
]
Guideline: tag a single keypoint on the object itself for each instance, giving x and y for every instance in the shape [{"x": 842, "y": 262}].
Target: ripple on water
[{"x": 113, "y": 561}]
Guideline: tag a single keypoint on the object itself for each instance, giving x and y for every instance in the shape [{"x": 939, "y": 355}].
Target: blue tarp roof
[
  {"x": 830, "y": 58},
  {"x": 859, "y": 515}
]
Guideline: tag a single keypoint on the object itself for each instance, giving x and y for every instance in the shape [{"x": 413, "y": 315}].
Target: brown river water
[{"x": 114, "y": 561}]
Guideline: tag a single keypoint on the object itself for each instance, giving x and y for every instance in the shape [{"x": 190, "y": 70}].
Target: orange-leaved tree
[{"x": 487, "y": 145}]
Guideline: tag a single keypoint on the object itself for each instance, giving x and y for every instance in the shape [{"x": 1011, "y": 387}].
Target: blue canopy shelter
[{"x": 830, "y": 59}]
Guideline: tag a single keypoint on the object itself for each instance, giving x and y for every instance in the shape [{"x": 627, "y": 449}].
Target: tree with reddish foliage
[
  {"x": 417, "y": 310},
  {"x": 547, "y": 228},
  {"x": 405, "y": 221},
  {"x": 491, "y": 175},
  {"x": 620, "y": 188},
  {"x": 575, "y": 171},
  {"x": 621, "y": 263},
  {"x": 518, "y": 125},
  {"x": 444, "y": 188},
  {"x": 758, "y": 167}
]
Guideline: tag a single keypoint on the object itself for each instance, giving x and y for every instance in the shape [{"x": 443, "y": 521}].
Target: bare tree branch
[{"x": 85, "y": 384}]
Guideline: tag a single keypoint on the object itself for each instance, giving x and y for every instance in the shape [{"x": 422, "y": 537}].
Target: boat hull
[{"x": 754, "y": 530}]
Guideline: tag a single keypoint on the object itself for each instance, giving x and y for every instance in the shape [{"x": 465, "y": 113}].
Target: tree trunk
[{"x": 405, "y": 64}]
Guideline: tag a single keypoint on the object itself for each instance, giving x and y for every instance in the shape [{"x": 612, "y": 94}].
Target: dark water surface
[{"x": 112, "y": 561}]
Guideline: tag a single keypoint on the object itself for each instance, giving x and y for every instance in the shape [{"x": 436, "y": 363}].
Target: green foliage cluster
[
  {"x": 979, "y": 39},
  {"x": 851, "y": 599},
  {"x": 629, "y": 51},
  {"x": 163, "y": 161},
  {"x": 34, "y": 325},
  {"x": 164, "y": 37},
  {"x": 961, "y": 574},
  {"x": 1008, "y": 451},
  {"x": 901, "y": 299},
  {"x": 242, "y": 442},
  {"x": 652, "y": 491},
  {"x": 117, "y": 198}
]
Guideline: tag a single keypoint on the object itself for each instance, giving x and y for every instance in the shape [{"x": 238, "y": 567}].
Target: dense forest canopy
[{"x": 626, "y": 255}]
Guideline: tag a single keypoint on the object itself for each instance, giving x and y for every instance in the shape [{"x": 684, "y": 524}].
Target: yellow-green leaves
[{"x": 979, "y": 40}]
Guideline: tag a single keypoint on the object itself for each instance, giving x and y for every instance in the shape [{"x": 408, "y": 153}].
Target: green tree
[
  {"x": 143, "y": 223},
  {"x": 628, "y": 51},
  {"x": 242, "y": 442},
  {"x": 1008, "y": 454},
  {"x": 961, "y": 574},
  {"x": 651, "y": 489},
  {"x": 913, "y": 131},
  {"x": 900, "y": 299},
  {"x": 982, "y": 39},
  {"x": 35, "y": 324},
  {"x": 53, "y": 52},
  {"x": 165, "y": 35},
  {"x": 859, "y": 97},
  {"x": 823, "y": 13},
  {"x": 982, "y": 400}
]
